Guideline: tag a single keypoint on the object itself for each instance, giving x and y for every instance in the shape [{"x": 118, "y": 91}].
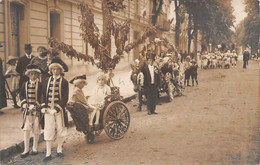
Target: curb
[{"x": 18, "y": 148}]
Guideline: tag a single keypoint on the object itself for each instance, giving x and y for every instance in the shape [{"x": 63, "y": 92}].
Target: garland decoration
[{"x": 90, "y": 34}]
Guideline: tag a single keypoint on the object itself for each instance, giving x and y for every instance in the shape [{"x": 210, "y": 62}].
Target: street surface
[{"x": 216, "y": 122}]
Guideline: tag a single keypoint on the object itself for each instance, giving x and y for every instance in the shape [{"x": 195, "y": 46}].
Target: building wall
[
  {"x": 35, "y": 27},
  {"x": 2, "y": 32}
]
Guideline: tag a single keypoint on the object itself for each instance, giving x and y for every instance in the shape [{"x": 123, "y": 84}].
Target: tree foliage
[
  {"x": 252, "y": 25},
  {"x": 102, "y": 58},
  {"x": 213, "y": 18}
]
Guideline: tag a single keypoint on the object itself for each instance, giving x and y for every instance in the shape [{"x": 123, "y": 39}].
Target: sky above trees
[{"x": 239, "y": 10}]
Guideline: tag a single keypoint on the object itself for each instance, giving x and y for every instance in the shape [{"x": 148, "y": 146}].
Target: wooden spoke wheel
[{"x": 116, "y": 120}]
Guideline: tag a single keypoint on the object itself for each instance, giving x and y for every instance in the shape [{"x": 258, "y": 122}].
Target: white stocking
[
  {"x": 48, "y": 148},
  {"x": 26, "y": 135},
  {"x": 97, "y": 117},
  {"x": 35, "y": 142},
  {"x": 92, "y": 114},
  {"x": 60, "y": 143}
]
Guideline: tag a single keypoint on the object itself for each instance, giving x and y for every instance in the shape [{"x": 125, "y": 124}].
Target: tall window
[{"x": 55, "y": 29}]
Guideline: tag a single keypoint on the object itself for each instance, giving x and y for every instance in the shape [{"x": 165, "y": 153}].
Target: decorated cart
[{"x": 114, "y": 118}]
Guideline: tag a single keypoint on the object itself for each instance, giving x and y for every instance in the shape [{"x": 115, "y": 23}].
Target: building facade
[{"x": 33, "y": 21}]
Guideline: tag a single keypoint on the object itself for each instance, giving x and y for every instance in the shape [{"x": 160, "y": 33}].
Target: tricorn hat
[
  {"x": 58, "y": 62},
  {"x": 78, "y": 79},
  {"x": 27, "y": 46},
  {"x": 31, "y": 68}
]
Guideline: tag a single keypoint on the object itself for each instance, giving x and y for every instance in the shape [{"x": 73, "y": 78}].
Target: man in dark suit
[
  {"x": 151, "y": 83},
  {"x": 23, "y": 62},
  {"x": 245, "y": 58}
]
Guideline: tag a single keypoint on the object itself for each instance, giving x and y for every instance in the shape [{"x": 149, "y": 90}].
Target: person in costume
[
  {"x": 30, "y": 96},
  {"x": 194, "y": 72},
  {"x": 78, "y": 96},
  {"x": 55, "y": 94},
  {"x": 23, "y": 62},
  {"x": 100, "y": 92},
  {"x": 186, "y": 67}
]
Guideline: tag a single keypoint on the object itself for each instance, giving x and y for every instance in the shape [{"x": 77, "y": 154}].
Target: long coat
[
  {"x": 38, "y": 93},
  {"x": 2, "y": 87},
  {"x": 20, "y": 68},
  {"x": 63, "y": 96}
]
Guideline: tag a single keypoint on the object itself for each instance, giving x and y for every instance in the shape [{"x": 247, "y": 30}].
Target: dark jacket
[
  {"x": 2, "y": 87},
  {"x": 23, "y": 93},
  {"x": 63, "y": 97},
  {"x": 38, "y": 93},
  {"x": 246, "y": 56},
  {"x": 147, "y": 76},
  {"x": 20, "y": 68}
]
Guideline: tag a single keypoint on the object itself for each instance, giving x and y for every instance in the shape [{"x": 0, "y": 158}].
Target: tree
[
  {"x": 102, "y": 58},
  {"x": 213, "y": 18},
  {"x": 252, "y": 25},
  {"x": 157, "y": 7},
  {"x": 179, "y": 19}
]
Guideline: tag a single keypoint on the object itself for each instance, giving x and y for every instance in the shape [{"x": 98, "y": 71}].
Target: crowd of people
[
  {"x": 153, "y": 74},
  {"x": 219, "y": 60},
  {"x": 43, "y": 90},
  {"x": 44, "y": 94}
]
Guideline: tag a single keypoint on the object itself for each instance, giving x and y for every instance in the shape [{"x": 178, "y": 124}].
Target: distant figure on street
[
  {"x": 151, "y": 83},
  {"x": 194, "y": 72},
  {"x": 30, "y": 97},
  {"x": 245, "y": 58},
  {"x": 186, "y": 67},
  {"x": 23, "y": 62},
  {"x": 3, "y": 102}
]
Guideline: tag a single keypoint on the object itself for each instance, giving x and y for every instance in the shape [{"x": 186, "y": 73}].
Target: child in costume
[
  {"x": 78, "y": 96},
  {"x": 194, "y": 72},
  {"x": 54, "y": 99},
  {"x": 100, "y": 91},
  {"x": 30, "y": 97},
  {"x": 186, "y": 67}
]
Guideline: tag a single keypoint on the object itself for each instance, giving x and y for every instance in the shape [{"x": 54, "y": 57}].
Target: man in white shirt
[{"x": 151, "y": 83}]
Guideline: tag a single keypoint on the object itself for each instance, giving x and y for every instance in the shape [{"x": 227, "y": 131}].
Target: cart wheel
[
  {"x": 90, "y": 138},
  {"x": 116, "y": 120},
  {"x": 98, "y": 132}
]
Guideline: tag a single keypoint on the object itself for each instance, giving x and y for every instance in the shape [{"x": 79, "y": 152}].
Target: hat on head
[
  {"x": 12, "y": 59},
  {"x": 27, "y": 46},
  {"x": 59, "y": 63},
  {"x": 150, "y": 56},
  {"x": 76, "y": 80},
  {"x": 43, "y": 51},
  {"x": 31, "y": 68}
]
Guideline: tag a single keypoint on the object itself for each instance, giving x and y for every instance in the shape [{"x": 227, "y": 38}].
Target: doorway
[{"x": 17, "y": 14}]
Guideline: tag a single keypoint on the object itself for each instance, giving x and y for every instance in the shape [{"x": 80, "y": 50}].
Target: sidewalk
[{"x": 11, "y": 135}]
